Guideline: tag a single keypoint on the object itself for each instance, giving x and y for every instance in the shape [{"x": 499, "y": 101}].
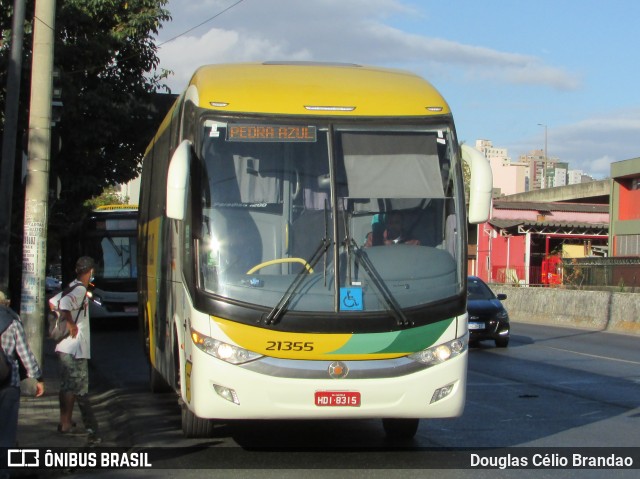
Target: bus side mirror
[
  {"x": 178, "y": 181},
  {"x": 481, "y": 185}
]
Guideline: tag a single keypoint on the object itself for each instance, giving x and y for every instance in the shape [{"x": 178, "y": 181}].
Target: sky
[{"x": 512, "y": 71}]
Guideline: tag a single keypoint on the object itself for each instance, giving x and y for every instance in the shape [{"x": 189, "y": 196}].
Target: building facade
[
  {"x": 509, "y": 178},
  {"x": 625, "y": 208},
  {"x": 521, "y": 237}
]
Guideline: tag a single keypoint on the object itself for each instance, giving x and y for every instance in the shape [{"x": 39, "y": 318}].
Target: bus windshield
[
  {"x": 109, "y": 236},
  {"x": 328, "y": 217}
]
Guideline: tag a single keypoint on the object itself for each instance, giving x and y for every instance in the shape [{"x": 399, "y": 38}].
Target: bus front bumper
[{"x": 214, "y": 389}]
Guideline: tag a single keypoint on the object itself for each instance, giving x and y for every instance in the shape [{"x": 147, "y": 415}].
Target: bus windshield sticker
[
  {"x": 351, "y": 299},
  {"x": 272, "y": 133}
]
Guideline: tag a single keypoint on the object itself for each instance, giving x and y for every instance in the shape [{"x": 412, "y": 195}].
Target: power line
[
  {"x": 85, "y": 70},
  {"x": 200, "y": 24}
]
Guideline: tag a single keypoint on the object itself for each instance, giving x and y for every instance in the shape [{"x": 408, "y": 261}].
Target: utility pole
[
  {"x": 34, "y": 254},
  {"x": 14, "y": 72}
]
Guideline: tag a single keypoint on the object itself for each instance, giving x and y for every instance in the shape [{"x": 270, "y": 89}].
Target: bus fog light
[
  {"x": 226, "y": 393},
  {"x": 442, "y": 393}
]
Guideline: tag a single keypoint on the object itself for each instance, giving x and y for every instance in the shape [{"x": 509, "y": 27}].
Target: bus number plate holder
[{"x": 337, "y": 398}]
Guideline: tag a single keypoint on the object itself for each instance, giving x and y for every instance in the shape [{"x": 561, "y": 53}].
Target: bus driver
[{"x": 394, "y": 232}]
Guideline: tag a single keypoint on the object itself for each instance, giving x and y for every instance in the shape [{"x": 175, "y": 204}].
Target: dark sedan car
[{"x": 488, "y": 320}]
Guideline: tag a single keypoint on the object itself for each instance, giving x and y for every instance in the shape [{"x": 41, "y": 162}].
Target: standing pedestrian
[
  {"x": 14, "y": 348},
  {"x": 74, "y": 351}
]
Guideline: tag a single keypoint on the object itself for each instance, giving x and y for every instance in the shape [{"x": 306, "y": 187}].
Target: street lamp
[{"x": 544, "y": 162}]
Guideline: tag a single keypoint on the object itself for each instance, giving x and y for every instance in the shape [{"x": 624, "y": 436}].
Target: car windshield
[{"x": 478, "y": 290}]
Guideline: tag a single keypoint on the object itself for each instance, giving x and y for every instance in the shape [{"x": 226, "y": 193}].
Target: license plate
[
  {"x": 131, "y": 309},
  {"x": 337, "y": 398},
  {"x": 476, "y": 325}
]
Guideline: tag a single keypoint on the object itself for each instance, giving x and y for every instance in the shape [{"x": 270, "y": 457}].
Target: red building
[
  {"x": 625, "y": 208},
  {"x": 521, "y": 236}
]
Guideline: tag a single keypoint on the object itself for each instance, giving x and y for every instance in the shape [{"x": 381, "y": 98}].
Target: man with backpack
[
  {"x": 14, "y": 348},
  {"x": 74, "y": 352}
]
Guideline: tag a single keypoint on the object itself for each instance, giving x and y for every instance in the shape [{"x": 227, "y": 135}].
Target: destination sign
[{"x": 271, "y": 133}]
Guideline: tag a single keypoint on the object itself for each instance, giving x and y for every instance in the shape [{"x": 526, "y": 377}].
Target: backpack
[
  {"x": 58, "y": 329},
  {"x": 6, "y": 318}
]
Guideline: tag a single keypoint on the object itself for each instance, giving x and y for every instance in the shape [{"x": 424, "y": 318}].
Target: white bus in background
[{"x": 109, "y": 235}]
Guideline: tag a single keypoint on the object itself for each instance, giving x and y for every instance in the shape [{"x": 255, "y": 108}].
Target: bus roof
[{"x": 320, "y": 89}]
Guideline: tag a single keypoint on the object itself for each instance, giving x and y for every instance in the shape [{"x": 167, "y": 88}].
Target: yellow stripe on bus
[{"x": 304, "y": 346}]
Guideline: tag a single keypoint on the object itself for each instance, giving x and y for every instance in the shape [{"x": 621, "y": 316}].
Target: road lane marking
[{"x": 593, "y": 355}]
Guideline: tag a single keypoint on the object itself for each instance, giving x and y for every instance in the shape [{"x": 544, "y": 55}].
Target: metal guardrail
[
  {"x": 619, "y": 273},
  {"x": 584, "y": 273}
]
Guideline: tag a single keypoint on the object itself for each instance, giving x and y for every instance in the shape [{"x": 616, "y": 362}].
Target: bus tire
[
  {"x": 400, "y": 428},
  {"x": 157, "y": 383},
  {"x": 194, "y": 426}
]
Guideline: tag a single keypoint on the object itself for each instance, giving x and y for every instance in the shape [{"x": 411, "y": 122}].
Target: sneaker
[{"x": 93, "y": 438}]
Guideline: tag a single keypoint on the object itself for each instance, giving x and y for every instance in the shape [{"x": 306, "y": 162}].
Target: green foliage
[
  {"x": 108, "y": 60},
  {"x": 573, "y": 274},
  {"x": 109, "y": 196},
  {"x": 466, "y": 173},
  {"x": 106, "y": 53},
  {"x": 466, "y": 177},
  {"x": 109, "y": 75}
]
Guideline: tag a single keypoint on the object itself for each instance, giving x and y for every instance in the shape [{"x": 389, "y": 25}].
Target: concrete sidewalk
[{"x": 38, "y": 417}]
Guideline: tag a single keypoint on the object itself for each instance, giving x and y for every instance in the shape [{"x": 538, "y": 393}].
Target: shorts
[{"x": 74, "y": 374}]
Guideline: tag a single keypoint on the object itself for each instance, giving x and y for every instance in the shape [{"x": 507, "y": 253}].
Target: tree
[
  {"x": 109, "y": 75},
  {"x": 466, "y": 177},
  {"x": 108, "y": 62},
  {"x": 110, "y": 196}
]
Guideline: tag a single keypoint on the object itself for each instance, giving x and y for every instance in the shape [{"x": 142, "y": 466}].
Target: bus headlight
[
  {"x": 442, "y": 352},
  {"x": 218, "y": 349}
]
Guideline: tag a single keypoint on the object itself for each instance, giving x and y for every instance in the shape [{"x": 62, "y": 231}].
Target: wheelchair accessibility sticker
[{"x": 351, "y": 299}]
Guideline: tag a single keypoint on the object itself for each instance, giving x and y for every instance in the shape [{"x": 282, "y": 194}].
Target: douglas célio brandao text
[{"x": 550, "y": 461}]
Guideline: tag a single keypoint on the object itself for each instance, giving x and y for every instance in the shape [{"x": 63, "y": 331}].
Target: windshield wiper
[
  {"x": 281, "y": 306},
  {"x": 113, "y": 244},
  {"x": 391, "y": 303}
]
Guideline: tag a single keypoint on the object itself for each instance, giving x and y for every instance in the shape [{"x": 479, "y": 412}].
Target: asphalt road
[{"x": 552, "y": 387}]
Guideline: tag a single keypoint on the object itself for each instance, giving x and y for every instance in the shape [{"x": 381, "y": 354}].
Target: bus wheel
[
  {"x": 397, "y": 428},
  {"x": 194, "y": 426},
  {"x": 157, "y": 383}
]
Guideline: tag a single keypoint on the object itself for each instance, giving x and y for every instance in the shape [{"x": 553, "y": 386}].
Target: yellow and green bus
[{"x": 302, "y": 247}]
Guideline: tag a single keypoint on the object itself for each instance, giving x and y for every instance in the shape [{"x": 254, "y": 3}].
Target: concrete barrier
[{"x": 601, "y": 310}]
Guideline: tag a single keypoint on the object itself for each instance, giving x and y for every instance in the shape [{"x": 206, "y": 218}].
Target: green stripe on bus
[{"x": 407, "y": 341}]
